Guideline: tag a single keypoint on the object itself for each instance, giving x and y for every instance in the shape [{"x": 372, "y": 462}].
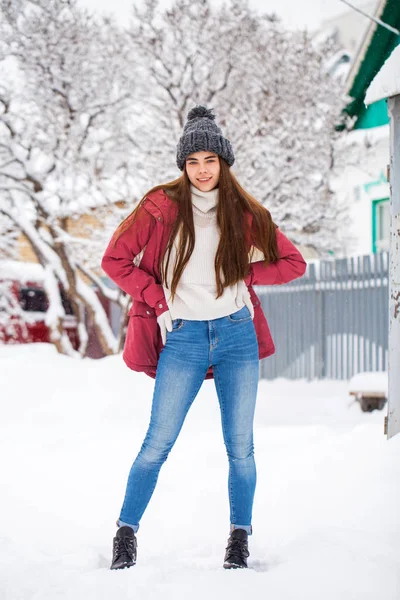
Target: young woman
[{"x": 196, "y": 316}]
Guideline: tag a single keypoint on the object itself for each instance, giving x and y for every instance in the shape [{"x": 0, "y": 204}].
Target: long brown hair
[{"x": 232, "y": 258}]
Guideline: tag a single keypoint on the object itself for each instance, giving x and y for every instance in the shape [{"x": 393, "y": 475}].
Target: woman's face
[{"x": 203, "y": 170}]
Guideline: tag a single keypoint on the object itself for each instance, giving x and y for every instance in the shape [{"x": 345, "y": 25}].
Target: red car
[{"x": 26, "y": 323}]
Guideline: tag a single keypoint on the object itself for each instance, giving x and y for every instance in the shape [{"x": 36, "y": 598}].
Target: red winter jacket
[{"x": 151, "y": 230}]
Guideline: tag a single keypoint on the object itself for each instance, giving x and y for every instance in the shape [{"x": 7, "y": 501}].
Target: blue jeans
[{"x": 230, "y": 345}]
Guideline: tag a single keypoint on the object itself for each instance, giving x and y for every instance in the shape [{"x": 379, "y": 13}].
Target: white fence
[{"x": 333, "y": 322}]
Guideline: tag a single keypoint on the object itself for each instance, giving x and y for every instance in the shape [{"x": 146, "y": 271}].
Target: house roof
[
  {"x": 387, "y": 82},
  {"x": 16, "y": 270},
  {"x": 376, "y": 47}
]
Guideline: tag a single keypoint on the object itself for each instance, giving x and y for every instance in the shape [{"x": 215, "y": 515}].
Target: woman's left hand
[
  {"x": 243, "y": 296},
  {"x": 165, "y": 323}
]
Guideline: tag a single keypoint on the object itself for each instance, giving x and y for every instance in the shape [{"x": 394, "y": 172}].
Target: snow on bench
[{"x": 370, "y": 389}]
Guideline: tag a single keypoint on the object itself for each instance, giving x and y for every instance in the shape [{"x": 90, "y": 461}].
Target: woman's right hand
[{"x": 165, "y": 323}]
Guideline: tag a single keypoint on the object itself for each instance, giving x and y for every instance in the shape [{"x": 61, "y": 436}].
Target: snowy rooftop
[
  {"x": 21, "y": 271},
  {"x": 387, "y": 82}
]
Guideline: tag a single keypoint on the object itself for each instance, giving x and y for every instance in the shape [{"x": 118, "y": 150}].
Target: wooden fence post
[{"x": 393, "y": 418}]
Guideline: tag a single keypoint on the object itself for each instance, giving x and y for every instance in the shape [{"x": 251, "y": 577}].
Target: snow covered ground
[{"x": 326, "y": 516}]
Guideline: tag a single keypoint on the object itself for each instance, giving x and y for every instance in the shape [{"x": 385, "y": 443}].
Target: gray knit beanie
[{"x": 202, "y": 133}]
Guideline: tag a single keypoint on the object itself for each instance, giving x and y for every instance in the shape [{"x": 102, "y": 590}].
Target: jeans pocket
[
  {"x": 177, "y": 324},
  {"x": 241, "y": 315}
]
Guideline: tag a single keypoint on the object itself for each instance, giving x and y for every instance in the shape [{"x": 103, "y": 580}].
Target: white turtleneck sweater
[{"x": 195, "y": 297}]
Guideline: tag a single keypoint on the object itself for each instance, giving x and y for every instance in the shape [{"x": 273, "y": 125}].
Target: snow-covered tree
[
  {"x": 64, "y": 98},
  {"x": 90, "y": 114},
  {"x": 10, "y": 310},
  {"x": 272, "y": 94}
]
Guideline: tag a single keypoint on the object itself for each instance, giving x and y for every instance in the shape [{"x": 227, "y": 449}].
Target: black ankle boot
[
  {"x": 237, "y": 550},
  {"x": 124, "y": 548}
]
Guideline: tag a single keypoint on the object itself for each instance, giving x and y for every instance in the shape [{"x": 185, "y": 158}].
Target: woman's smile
[{"x": 203, "y": 169}]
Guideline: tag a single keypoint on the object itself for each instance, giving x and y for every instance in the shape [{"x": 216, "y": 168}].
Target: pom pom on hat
[
  {"x": 200, "y": 111},
  {"x": 202, "y": 133}
]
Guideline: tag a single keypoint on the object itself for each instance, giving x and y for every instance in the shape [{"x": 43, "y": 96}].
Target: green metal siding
[
  {"x": 380, "y": 48},
  {"x": 373, "y": 116}
]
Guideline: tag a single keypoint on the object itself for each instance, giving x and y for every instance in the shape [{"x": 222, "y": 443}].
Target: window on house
[{"x": 33, "y": 299}]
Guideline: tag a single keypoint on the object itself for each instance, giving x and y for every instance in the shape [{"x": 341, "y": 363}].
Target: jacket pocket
[
  {"x": 143, "y": 339},
  {"x": 141, "y": 309}
]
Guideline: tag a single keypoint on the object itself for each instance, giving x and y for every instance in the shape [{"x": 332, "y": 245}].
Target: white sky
[{"x": 294, "y": 13}]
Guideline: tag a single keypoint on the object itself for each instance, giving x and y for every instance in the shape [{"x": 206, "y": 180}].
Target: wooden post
[{"x": 393, "y": 418}]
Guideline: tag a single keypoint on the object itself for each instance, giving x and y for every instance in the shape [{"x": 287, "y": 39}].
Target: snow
[
  {"x": 21, "y": 271},
  {"x": 88, "y": 294},
  {"x": 308, "y": 15},
  {"x": 326, "y": 521},
  {"x": 387, "y": 82},
  {"x": 369, "y": 382},
  {"x": 370, "y": 136}
]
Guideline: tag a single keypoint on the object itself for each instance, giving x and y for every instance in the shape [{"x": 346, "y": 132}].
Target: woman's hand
[
  {"x": 243, "y": 295},
  {"x": 165, "y": 323}
]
